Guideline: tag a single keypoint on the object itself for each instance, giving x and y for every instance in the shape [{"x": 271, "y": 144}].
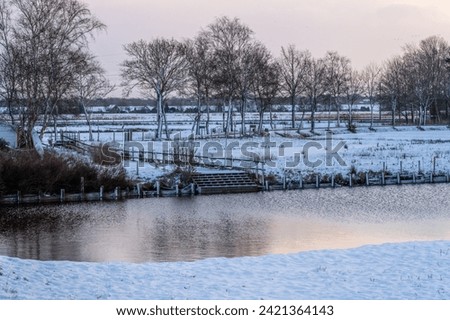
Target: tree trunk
[
  {"x": 350, "y": 115},
  {"x": 271, "y": 117},
  {"x": 437, "y": 112},
  {"x": 371, "y": 115},
  {"x": 228, "y": 126},
  {"x": 393, "y": 108},
  {"x": 88, "y": 121},
  {"x": 207, "y": 115},
  {"x": 159, "y": 118},
  {"x": 329, "y": 114},
  {"x": 261, "y": 117},
  {"x": 166, "y": 126},
  {"x": 293, "y": 110},
  {"x": 338, "y": 108},
  {"x": 196, "y": 125},
  {"x": 313, "y": 119},
  {"x": 243, "y": 110}
]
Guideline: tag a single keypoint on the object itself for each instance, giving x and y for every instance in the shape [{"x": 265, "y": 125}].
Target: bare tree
[
  {"x": 371, "y": 78},
  {"x": 250, "y": 63},
  {"x": 230, "y": 41},
  {"x": 91, "y": 85},
  {"x": 353, "y": 92},
  {"x": 393, "y": 83},
  {"x": 158, "y": 66},
  {"x": 46, "y": 42},
  {"x": 266, "y": 83},
  {"x": 427, "y": 74},
  {"x": 200, "y": 76},
  {"x": 8, "y": 61},
  {"x": 315, "y": 85},
  {"x": 293, "y": 66},
  {"x": 338, "y": 71}
]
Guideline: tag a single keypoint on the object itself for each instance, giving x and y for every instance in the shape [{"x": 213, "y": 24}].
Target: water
[{"x": 186, "y": 229}]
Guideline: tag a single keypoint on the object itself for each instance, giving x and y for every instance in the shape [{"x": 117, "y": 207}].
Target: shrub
[
  {"x": 4, "y": 145},
  {"x": 27, "y": 172}
]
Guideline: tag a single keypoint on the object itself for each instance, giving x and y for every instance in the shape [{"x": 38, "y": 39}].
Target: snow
[
  {"x": 395, "y": 149},
  {"x": 413, "y": 270}
]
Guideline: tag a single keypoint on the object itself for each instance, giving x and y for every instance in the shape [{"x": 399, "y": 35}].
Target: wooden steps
[{"x": 216, "y": 183}]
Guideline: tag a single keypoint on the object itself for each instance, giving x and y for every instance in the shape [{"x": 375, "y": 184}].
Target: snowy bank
[{"x": 415, "y": 270}]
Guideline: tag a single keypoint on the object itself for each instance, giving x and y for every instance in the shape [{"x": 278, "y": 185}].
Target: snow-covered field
[
  {"x": 415, "y": 270},
  {"x": 285, "y": 152},
  {"x": 403, "y": 149}
]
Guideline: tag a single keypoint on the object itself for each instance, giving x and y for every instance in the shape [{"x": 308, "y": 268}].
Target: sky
[{"x": 363, "y": 30}]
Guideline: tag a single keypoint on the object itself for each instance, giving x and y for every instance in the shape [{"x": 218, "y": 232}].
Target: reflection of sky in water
[{"x": 171, "y": 229}]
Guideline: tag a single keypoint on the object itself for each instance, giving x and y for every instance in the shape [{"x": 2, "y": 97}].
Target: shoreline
[{"x": 310, "y": 181}]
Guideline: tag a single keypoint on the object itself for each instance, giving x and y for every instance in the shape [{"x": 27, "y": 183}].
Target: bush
[
  {"x": 27, "y": 172},
  {"x": 4, "y": 145}
]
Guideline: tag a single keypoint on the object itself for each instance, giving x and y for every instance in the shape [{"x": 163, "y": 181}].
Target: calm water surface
[{"x": 185, "y": 229}]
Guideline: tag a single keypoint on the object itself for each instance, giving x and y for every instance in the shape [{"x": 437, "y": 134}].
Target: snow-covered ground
[
  {"x": 415, "y": 270},
  {"x": 403, "y": 149},
  {"x": 285, "y": 152}
]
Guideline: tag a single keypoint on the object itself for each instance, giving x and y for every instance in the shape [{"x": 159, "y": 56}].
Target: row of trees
[
  {"x": 224, "y": 61},
  {"x": 45, "y": 59},
  {"x": 416, "y": 84}
]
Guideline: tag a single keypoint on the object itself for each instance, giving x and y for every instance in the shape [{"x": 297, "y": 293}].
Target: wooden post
[
  {"x": 434, "y": 165},
  {"x": 82, "y": 188},
  {"x": 62, "y": 195},
  {"x": 262, "y": 171},
  {"x": 117, "y": 193},
  {"x": 101, "y": 193}
]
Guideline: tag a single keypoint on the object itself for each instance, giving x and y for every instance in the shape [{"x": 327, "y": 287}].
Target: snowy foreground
[{"x": 416, "y": 270}]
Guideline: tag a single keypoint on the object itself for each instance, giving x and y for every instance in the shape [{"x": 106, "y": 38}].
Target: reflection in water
[{"x": 184, "y": 229}]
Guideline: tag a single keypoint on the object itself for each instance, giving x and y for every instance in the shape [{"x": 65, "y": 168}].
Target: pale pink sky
[{"x": 363, "y": 30}]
